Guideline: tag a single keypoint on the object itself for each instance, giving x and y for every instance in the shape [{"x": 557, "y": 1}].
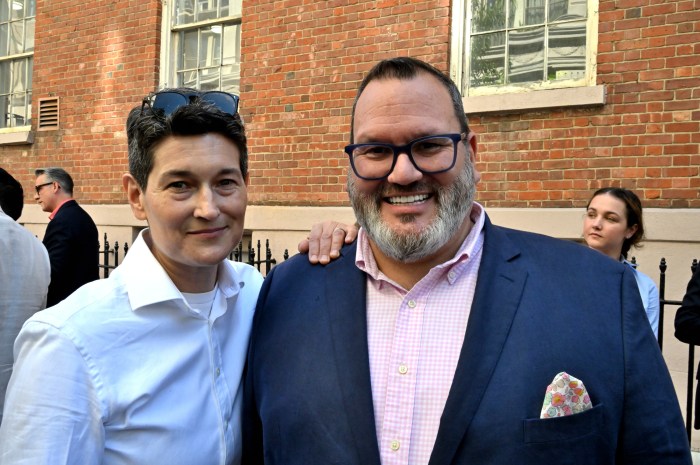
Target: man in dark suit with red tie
[{"x": 70, "y": 237}]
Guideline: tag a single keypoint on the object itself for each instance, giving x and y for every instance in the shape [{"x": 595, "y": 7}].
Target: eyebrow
[{"x": 187, "y": 173}]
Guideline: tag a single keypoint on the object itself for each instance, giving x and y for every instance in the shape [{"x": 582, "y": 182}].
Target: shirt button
[
  {"x": 218, "y": 371},
  {"x": 412, "y": 303},
  {"x": 395, "y": 445},
  {"x": 403, "y": 369},
  {"x": 451, "y": 275}
]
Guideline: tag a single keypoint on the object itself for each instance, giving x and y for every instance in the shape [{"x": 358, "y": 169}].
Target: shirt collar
[
  {"x": 365, "y": 261},
  {"x": 53, "y": 213},
  {"x": 147, "y": 283}
]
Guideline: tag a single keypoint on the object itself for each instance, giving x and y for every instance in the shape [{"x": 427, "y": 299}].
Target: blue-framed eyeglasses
[
  {"x": 167, "y": 101},
  {"x": 429, "y": 154}
]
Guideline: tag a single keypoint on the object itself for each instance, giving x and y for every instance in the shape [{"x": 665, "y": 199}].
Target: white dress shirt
[
  {"x": 124, "y": 371},
  {"x": 24, "y": 281}
]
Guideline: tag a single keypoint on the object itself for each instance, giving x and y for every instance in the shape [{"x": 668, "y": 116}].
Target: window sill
[
  {"x": 17, "y": 138},
  {"x": 535, "y": 100}
]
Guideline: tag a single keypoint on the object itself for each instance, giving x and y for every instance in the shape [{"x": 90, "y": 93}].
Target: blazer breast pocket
[
  {"x": 579, "y": 439},
  {"x": 563, "y": 429}
]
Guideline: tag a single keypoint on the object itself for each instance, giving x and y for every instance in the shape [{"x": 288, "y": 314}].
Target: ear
[
  {"x": 471, "y": 137},
  {"x": 631, "y": 231},
  {"x": 134, "y": 195},
  {"x": 246, "y": 180}
]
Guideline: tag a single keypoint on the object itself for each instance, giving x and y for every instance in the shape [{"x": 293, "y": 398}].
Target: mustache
[{"x": 390, "y": 189}]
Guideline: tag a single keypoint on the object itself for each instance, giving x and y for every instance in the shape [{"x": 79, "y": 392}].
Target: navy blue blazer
[
  {"x": 541, "y": 306},
  {"x": 72, "y": 242}
]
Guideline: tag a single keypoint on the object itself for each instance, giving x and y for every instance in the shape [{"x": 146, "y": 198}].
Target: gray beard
[{"x": 454, "y": 204}]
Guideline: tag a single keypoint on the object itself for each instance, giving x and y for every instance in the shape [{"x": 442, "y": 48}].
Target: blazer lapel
[
  {"x": 498, "y": 291},
  {"x": 345, "y": 289}
]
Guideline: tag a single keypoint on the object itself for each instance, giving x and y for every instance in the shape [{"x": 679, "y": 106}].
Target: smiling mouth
[
  {"x": 208, "y": 231},
  {"x": 406, "y": 199}
]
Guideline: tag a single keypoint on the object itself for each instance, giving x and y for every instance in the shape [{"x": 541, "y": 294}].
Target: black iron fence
[
  {"x": 110, "y": 255},
  {"x": 110, "y": 259},
  {"x": 663, "y": 302}
]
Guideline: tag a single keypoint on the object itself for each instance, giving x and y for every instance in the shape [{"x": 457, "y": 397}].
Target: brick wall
[
  {"x": 302, "y": 62},
  {"x": 98, "y": 58},
  {"x": 646, "y": 138}
]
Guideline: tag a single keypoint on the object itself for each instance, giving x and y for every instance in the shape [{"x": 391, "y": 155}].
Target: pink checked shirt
[{"x": 415, "y": 338}]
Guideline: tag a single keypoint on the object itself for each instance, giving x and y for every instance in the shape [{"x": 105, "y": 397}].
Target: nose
[
  {"x": 206, "y": 207},
  {"x": 404, "y": 171}
]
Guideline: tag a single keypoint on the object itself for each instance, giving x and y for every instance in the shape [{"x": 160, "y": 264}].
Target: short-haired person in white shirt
[
  {"x": 145, "y": 367},
  {"x": 24, "y": 274}
]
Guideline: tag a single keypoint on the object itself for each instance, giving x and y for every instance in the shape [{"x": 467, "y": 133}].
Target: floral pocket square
[{"x": 565, "y": 396}]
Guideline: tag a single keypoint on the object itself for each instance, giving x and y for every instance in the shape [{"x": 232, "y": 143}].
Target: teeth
[{"x": 407, "y": 199}]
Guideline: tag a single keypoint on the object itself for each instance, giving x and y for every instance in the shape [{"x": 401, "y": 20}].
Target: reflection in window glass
[
  {"x": 210, "y": 46},
  {"x": 517, "y": 53},
  {"x": 487, "y": 66},
  {"x": 526, "y": 52},
  {"x": 16, "y": 46},
  {"x": 488, "y": 15},
  {"x": 184, "y": 12},
  {"x": 567, "y": 51}
]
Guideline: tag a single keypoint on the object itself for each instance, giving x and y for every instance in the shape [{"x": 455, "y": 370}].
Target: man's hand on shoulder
[{"x": 325, "y": 240}]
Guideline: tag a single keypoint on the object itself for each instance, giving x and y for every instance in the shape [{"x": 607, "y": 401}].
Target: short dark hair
[
  {"x": 58, "y": 175},
  {"x": 145, "y": 129},
  {"x": 405, "y": 68},
  {"x": 11, "y": 195},
  {"x": 633, "y": 213}
]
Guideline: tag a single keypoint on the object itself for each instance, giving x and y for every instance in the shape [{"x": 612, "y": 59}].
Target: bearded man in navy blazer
[{"x": 434, "y": 337}]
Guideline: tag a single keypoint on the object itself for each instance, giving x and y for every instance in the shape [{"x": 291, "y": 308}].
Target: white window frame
[
  {"x": 536, "y": 95},
  {"x": 168, "y": 57}
]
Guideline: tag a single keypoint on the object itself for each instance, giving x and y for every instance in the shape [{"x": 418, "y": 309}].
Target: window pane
[
  {"x": 560, "y": 10},
  {"x": 487, "y": 54},
  {"x": 189, "y": 56},
  {"x": 232, "y": 44},
  {"x": 19, "y": 76},
  {"x": 4, "y": 114},
  {"x": 187, "y": 79},
  {"x": 17, "y": 9},
  {"x": 526, "y": 53},
  {"x": 488, "y": 15},
  {"x": 16, "y": 37},
  {"x": 29, "y": 35},
  {"x": 30, "y": 5},
  {"x": 526, "y": 13},
  {"x": 184, "y": 11},
  {"x": 210, "y": 46},
  {"x": 567, "y": 51},
  {"x": 17, "y": 110},
  {"x": 4, "y": 77},
  {"x": 224, "y": 11},
  {"x": 207, "y": 9},
  {"x": 4, "y": 28},
  {"x": 209, "y": 79},
  {"x": 231, "y": 78},
  {"x": 4, "y": 10}
]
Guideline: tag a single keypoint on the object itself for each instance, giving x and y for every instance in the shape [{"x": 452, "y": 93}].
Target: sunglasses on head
[{"x": 167, "y": 101}]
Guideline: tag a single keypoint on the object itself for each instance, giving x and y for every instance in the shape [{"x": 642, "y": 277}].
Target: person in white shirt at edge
[
  {"x": 612, "y": 225},
  {"x": 24, "y": 274},
  {"x": 145, "y": 367}
]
